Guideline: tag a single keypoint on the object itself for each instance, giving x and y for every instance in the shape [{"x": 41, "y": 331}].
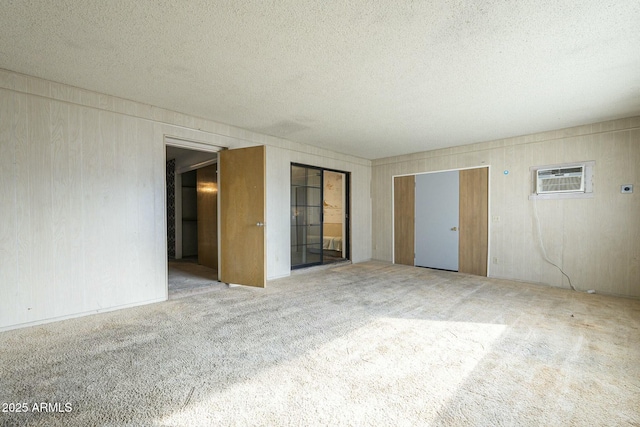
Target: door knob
[
  {"x": 454, "y": 228},
  {"x": 260, "y": 224}
]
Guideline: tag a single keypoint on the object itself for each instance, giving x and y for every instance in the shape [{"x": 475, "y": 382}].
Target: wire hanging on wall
[{"x": 544, "y": 251}]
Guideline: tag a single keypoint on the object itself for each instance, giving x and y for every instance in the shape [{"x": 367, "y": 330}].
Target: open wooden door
[{"x": 242, "y": 212}]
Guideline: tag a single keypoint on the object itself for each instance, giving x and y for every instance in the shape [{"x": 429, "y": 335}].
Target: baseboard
[{"x": 75, "y": 315}]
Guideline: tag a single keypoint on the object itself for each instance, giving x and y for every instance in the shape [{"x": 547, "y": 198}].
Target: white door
[{"x": 436, "y": 217}]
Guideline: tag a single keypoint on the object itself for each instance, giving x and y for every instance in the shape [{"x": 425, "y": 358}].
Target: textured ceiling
[{"x": 371, "y": 79}]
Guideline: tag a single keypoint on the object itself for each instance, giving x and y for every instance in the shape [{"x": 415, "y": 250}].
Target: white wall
[
  {"x": 596, "y": 241},
  {"x": 279, "y": 203},
  {"x": 82, "y": 198}
]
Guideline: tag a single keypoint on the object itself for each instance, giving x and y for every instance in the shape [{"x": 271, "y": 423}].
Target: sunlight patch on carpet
[{"x": 401, "y": 369}]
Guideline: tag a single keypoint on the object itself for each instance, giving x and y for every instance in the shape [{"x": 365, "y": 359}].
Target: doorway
[
  {"x": 319, "y": 216},
  {"x": 192, "y": 241},
  {"x": 441, "y": 220},
  {"x": 237, "y": 211}
]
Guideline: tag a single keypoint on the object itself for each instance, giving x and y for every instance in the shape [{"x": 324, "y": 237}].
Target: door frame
[
  {"x": 188, "y": 144},
  {"x": 393, "y": 219}
]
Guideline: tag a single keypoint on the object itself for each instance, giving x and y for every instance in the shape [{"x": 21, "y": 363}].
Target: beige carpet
[
  {"x": 364, "y": 344},
  {"x": 187, "y": 278}
]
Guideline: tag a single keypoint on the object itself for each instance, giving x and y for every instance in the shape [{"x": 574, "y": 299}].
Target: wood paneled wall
[
  {"x": 82, "y": 210},
  {"x": 596, "y": 241},
  {"x": 82, "y": 198}
]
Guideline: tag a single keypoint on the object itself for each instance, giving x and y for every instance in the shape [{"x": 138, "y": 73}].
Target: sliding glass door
[
  {"x": 319, "y": 216},
  {"x": 306, "y": 216}
]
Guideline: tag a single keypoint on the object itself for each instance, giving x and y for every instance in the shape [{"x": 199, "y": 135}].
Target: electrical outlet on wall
[{"x": 626, "y": 188}]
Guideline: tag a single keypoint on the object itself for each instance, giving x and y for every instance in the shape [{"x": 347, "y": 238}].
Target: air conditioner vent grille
[
  {"x": 560, "y": 180},
  {"x": 556, "y": 185}
]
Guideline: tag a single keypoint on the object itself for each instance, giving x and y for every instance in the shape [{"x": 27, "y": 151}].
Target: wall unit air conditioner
[{"x": 560, "y": 180}]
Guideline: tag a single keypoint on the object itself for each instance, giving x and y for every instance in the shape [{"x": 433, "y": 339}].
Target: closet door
[
  {"x": 474, "y": 216},
  {"x": 404, "y": 205},
  {"x": 436, "y": 219},
  {"x": 447, "y": 215}
]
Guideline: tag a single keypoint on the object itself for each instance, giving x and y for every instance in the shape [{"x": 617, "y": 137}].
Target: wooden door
[
  {"x": 242, "y": 215},
  {"x": 404, "y": 219},
  {"x": 474, "y": 211},
  {"x": 437, "y": 212},
  {"x": 207, "y": 193}
]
